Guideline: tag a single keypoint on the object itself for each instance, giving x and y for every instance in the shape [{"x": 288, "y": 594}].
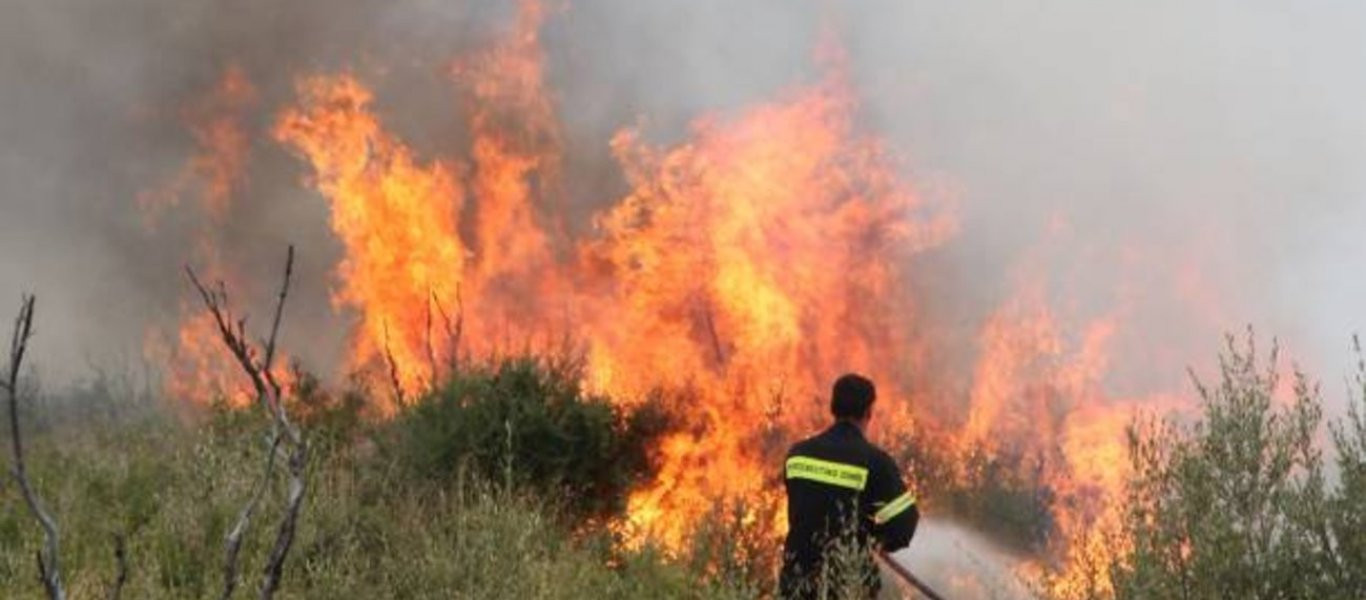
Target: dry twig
[
  {"x": 432, "y": 371},
  {"x": 285, "y": 441},
  {"x": 396, "y": 386},
  {"x": 121, "y": 563},
  {"x": 49, "y": 566},
  {"x": 453, "y": 331}
]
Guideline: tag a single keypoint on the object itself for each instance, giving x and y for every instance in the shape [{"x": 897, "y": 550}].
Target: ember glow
[{"x": 744, "y": 269}]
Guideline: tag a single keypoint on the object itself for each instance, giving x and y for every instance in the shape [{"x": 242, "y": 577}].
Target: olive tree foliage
[
  {"x": 1240, "y": 503},
  {"x": 1347, "y": 509}
]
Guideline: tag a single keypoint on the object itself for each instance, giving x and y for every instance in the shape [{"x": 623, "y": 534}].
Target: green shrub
[
  {"x": 528, "y": 422},
  {"x": 1001, "y": 491},
  {"x": 1347, "y": 509},
  {"x": 370, "y": 529},
  {"x": 1237, "y": 504}
]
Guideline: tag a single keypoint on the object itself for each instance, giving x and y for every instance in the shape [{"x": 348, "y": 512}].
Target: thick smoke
[{"x": 1186, "y": 165}]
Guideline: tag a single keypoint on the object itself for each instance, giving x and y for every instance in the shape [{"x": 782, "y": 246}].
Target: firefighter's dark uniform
[{"x": 839, "y": 486}]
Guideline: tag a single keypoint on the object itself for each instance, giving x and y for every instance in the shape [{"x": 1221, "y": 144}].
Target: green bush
[
  {"x": 1237, "y": 505},
  {"x": 370, "y": 528},
  {"x": 528, "y": 423},
  {"x": 1346, "y": 511},
  {"x": 1002, "y": 491}
]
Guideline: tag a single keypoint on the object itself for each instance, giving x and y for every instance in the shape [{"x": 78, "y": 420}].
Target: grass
[
  {"x": 500, "y": 483},
  {"x": 373, "y": 527}
]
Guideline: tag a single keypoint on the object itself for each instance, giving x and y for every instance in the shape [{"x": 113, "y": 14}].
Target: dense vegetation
[
  {"x": 528, "y": 424},
  {"x": 498, "y": 484},
  {"x": 436, "y": 503},
  {"x": 1241, "y": 503}
]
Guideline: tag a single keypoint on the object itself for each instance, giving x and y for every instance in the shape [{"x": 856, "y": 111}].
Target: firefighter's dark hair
[{"x": 852, "y": 396}]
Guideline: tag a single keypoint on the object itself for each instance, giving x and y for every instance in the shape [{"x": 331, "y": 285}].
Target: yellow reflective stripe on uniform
[
  {"x": 843, "y": 475},
  {"x": 897, "y": 506}
]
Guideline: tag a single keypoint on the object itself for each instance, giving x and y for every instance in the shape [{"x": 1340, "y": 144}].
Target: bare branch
[
  {"x": 270, "y": 395},
  {"x": 393, "y": 369},
  {"x": 453, "y": 331},
  {"x": 232, "y": 545},
  {"x": 284, "y": 537},
  {"x": 121, "y": 562},
  {"x": 432, "y": 371},
  {"x": 49, "y": 566},
  {"x": 710, "y": 321},
  {"x": 216, "y": 302},
  {"x": 279, "y": 310}
]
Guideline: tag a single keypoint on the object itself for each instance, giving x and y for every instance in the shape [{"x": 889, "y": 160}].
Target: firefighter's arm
[{"x": 895, "y": 514}]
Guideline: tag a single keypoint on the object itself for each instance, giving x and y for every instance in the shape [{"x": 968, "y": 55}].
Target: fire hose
[{"x": 905, "y": 575}]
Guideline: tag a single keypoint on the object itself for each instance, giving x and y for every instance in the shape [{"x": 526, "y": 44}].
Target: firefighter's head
[{"x": 852, "y": 399}]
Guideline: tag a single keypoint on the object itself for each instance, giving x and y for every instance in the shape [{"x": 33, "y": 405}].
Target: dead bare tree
[
  {"x": 49, "y": 565},
  {"x": 285, "y": 443}
]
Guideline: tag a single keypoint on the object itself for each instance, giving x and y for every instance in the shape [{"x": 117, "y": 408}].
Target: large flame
[
  {"x": 397, "y": 218},
  {"x": 759, "y": 260},
  {"x": 745, "y": 268}
]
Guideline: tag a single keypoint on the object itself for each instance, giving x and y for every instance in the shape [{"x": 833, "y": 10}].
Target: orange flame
[
  {"x": 396, "y": 218},
  {"x": 219, "y": 166},
  {"x": 198, "y": 368},
  {"x": 744, "y": 269},
  {"x": 760, "y": 260}
]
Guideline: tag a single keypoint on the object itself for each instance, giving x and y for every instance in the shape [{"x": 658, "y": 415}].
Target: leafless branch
[
  {"x": 453, "y": 331},
  {"x": 49, "y": 566},
  {"x": 279, "y": 311},
  {"x": 389, "y": 361},
  {"x": 216, "y": 300},
  {"x": 283, "y": 432},
  {"x": 121, "y": 562},
  {"x": 432, "y": 371},
  {"x": 710, "y": 321},
  {"x": 284, "y": 536},
  {"x": 233, "y": 541}
]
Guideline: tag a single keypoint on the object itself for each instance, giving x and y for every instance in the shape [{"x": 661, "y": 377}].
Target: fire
[
  {"x": 742, "y": 271},
  {"x": 762, "y": 258},
  {"x": 1042, "y": 391},
  {"x": 397, "y": 219},
  {"x": 219, "y": 165},
  {"x": 754, "y": 262},
  {"x": 515, "y": 151},
  {"x": 197, "y": 367},
  {"x": 408, "y": 269}
]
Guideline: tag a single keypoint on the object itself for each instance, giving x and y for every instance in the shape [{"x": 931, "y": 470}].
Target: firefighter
[{"x": 845, "y": 498}]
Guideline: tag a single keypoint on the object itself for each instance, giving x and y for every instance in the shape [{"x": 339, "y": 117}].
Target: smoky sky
[{"x": 1193, "y": 163}]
